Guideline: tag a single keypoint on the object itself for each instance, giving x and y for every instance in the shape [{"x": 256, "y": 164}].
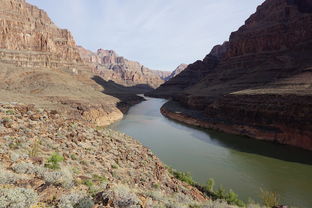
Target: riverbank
[
  {"x": 235, "y": 119},
  {"x": 242, "y": 164}
]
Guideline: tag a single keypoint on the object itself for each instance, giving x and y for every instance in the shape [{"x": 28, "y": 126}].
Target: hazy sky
[{"x": 160, "y": 34}]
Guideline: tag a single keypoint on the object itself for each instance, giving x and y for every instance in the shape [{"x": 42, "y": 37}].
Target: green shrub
[
  {"x": 230, "y": 197},
  {"x": 53, "y": 161},
  {"x": 97, "y": 178},
  {"x": 88, "y": 183},
  {"x": 182, "y": 176},
  {"x": 210, "y": 184},
  {"x": 73, "y": 157},
  {"x": 114, "y": 166},
  {"x": 10, "y": 112},
  {"x": 270, "y": 199}
]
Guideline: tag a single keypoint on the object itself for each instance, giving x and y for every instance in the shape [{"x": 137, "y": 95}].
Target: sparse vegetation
[
  {"x": 34, "y": 148},
  {"x": 53, "y": 161},
  {"x": 114, "y": 166},
  {"x": 17, "y": 197},
  {"x": 270, "y": 199},
  {"x": 230, "y": 197},
  {"x": 10, "y": 112},
  {"x": 182, "y": 176}
]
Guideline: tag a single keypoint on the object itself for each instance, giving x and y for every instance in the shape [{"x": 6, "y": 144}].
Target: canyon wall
[
  {"x": 30, "y": 39},
  {"x": 110, "y": 66},
  {"x": 259, "y": 80}
]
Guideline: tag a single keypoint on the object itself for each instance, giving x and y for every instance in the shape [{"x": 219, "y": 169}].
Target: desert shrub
[
  {"x": 122, "y": 197},
  {"x": 97, "y": 178},
  {"x": 270, "y": 199},
  {"x": 73, "y": 157},
  {"x": 28, "y": 168},
  {"x": 7, "y": 177},
  {"x": 63, "y": 177},
  {"x": 14, "y": 156},
  {"x": 53, "y": 161},
  {"x": 88, "y": 183},
  {"x": 10, "y": 112},
  {"x": 34, "y": 148},
  {"x": 76, "y": 200},
  {"x": 17, "y": 197},
  {"x": 114, "y": 166},
  {"x": 15, "y": 144},
  {"x": 85, "y": 202},
  {"x": 216, "y": 204},
  {"x": 24, "y": 168},
  {"x": 156, "y": 195}
]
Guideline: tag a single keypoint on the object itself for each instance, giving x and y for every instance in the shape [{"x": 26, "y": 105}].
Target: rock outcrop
[
  {"x": 29, "y": 38},
  {"x": 260, "y": 80},
  {"x": 177, "y": 71},
  {"x": 110, "y": 66},
  {"x": 41, "y": 64}
]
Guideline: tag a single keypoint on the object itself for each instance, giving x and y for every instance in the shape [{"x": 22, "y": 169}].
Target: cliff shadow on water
[
  {"x": 128, "y": 96},
  {"x": 249, "y": 145}
]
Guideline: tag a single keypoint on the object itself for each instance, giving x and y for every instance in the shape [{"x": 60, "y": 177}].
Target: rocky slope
[
  {"x": 51, "y": 154},
  {"x": 110, "y": 66},
  {"x": 49, "y": 160},
  {"x": 177, "y": 71},
  {"x": 40, "y": 64},
  {"x": 259, "y": 82}
]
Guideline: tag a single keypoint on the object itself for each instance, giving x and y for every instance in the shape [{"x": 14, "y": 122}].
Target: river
[{"x": 245, "y": 165}]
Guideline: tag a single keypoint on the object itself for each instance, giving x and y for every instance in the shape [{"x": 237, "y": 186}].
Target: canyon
[
  {"x": 110, "y": 66},
  {"x": 256, "y": 84},
  {"x": 55, "y": 151},
  {"x": 41, "y": 64}
]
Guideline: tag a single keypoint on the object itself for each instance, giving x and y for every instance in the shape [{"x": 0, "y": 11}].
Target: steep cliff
[
  {"x": 29, "y": 38},
  {"x": 110, "y": 66},
  {"x": 40, "y": 64},
  {"x": 260, "y": 80}
]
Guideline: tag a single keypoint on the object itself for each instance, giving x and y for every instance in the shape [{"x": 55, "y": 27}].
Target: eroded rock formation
[
  {"x": 29, "y": 38},
  {"x": 110, "y": 66},
  {"x": 260, "y": 80},
  {"x": 177, "y": 71}
]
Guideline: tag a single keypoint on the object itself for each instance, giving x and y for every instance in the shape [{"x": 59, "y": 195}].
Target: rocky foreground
[{"x": 48, "y": 160}]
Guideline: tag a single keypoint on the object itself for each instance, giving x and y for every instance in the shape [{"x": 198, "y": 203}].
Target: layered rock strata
[
  {"x": 30, "y": 39},
  {"x": 260, "y": 80},
  {"x": 110, "y": 66}
]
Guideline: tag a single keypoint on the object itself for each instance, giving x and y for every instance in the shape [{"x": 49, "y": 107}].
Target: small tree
[{"x": 53, "y": 161}]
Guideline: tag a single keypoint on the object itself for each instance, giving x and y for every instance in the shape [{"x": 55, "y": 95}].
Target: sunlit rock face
[
  {"x": 122, "y": 71},
  {"x": 29, "y": 38}
]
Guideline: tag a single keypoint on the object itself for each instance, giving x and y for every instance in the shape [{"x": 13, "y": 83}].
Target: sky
[{"x": 160, "y": 34}]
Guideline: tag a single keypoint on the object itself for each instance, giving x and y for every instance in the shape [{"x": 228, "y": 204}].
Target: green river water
[{"x": 245, "y": 165}]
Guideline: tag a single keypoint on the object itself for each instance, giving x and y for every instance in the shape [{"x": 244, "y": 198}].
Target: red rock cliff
[{"x": 29, "y": 38}]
